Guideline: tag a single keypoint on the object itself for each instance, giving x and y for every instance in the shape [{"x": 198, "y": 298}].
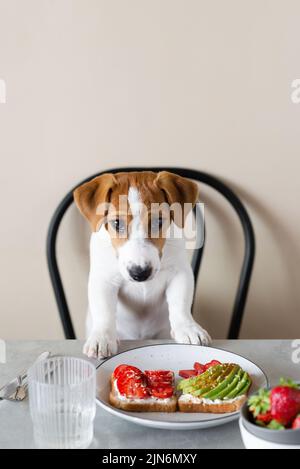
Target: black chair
[{"x": 247, "y": 266}]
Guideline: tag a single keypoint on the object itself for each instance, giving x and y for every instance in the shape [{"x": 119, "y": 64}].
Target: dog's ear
[
  {"x": 93, "y": 197},
  {"x": 178, "y": 190}
]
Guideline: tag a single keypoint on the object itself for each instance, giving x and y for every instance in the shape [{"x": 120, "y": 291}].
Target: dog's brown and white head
[{"x": 136, "y": 209}]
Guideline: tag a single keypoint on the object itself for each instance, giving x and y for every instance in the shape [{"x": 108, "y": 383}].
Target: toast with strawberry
[{"x": 137, "y": 391}]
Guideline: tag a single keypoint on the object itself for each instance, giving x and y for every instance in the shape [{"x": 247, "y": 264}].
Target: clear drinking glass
[{"x": 62, "y": 392}]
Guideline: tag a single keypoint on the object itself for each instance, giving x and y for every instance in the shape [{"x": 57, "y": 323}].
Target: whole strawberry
[{"x": 285, "y": 404}]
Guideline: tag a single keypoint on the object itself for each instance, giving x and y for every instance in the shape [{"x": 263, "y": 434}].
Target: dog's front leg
[
  {"x": 179, "y": 293},
  {"x": 102, "y": 340}
]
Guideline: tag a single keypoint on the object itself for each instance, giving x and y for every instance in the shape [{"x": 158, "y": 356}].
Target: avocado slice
[
  {"x": 240, "y": 387},
  {"x": 206, "y": 385},
  {"x": 245, "y": 388},
  {"x": 199, "y": 392},
  {"x": 214, "y": 393},
  {"x": 230, "y": 386},
  {"x": 207, "y": 388},
  {"x": 196, "y": 382}
]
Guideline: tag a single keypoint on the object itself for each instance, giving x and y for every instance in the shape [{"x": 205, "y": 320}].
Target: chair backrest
[{"x": 218, "y": 185}]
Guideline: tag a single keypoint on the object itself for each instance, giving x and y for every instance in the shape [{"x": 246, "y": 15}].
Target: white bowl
[{"x": 254, "y": 442}]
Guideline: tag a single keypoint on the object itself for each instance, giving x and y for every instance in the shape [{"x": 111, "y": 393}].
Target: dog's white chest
[{"x": 142, "y": 311}]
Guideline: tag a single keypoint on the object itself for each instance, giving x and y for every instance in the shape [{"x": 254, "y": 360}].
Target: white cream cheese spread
[{"x": 199, "y": 400}]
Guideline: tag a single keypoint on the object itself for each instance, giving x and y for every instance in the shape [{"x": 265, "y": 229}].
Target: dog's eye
[
  {"x": 118, "y": 225},
  {"x": 156, "y": 224}
]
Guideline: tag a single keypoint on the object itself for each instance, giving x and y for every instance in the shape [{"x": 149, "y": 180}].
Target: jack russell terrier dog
[{"x": 141, "y": 283}]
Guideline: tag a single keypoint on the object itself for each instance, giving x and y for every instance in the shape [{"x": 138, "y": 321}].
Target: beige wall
[{"x": 96, "y": 84}]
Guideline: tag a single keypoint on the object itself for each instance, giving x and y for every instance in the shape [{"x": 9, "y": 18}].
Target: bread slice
[
  {"x": 193, "y": 404},
  {"x": 141, "y": 405}
]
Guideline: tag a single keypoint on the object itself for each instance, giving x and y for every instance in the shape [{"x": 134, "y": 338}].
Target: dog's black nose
[{"x": 140, "y": 274}]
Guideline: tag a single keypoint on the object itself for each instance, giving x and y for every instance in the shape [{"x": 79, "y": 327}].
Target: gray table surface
[{"x": 273, "y": 356}]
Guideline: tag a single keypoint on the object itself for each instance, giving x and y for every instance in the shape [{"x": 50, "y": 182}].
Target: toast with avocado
[{"x": 221, "y": 389}]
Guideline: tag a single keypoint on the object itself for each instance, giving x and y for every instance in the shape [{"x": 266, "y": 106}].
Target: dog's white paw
[
  {"x": 190, "y": 333},
  {"x": 101, "y": 344}
]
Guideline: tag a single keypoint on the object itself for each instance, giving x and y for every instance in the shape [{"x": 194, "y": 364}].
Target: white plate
[{"x": 172, "y": 357}]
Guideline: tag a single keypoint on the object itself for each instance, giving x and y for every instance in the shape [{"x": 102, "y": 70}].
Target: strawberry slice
[
  {"x": 131, "y": 382},
  {"x": 160, "y": 383},
  {"x": 126, "y": 369},
  {"x": 187, "y": 373},
  {"x": 199, "y": 368},
  {"x": 212, "y": 363},
  {"x": 162, "y": 392},
  {"x": 132, "y": 388},
  {"x": 154, "y": 375}
]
